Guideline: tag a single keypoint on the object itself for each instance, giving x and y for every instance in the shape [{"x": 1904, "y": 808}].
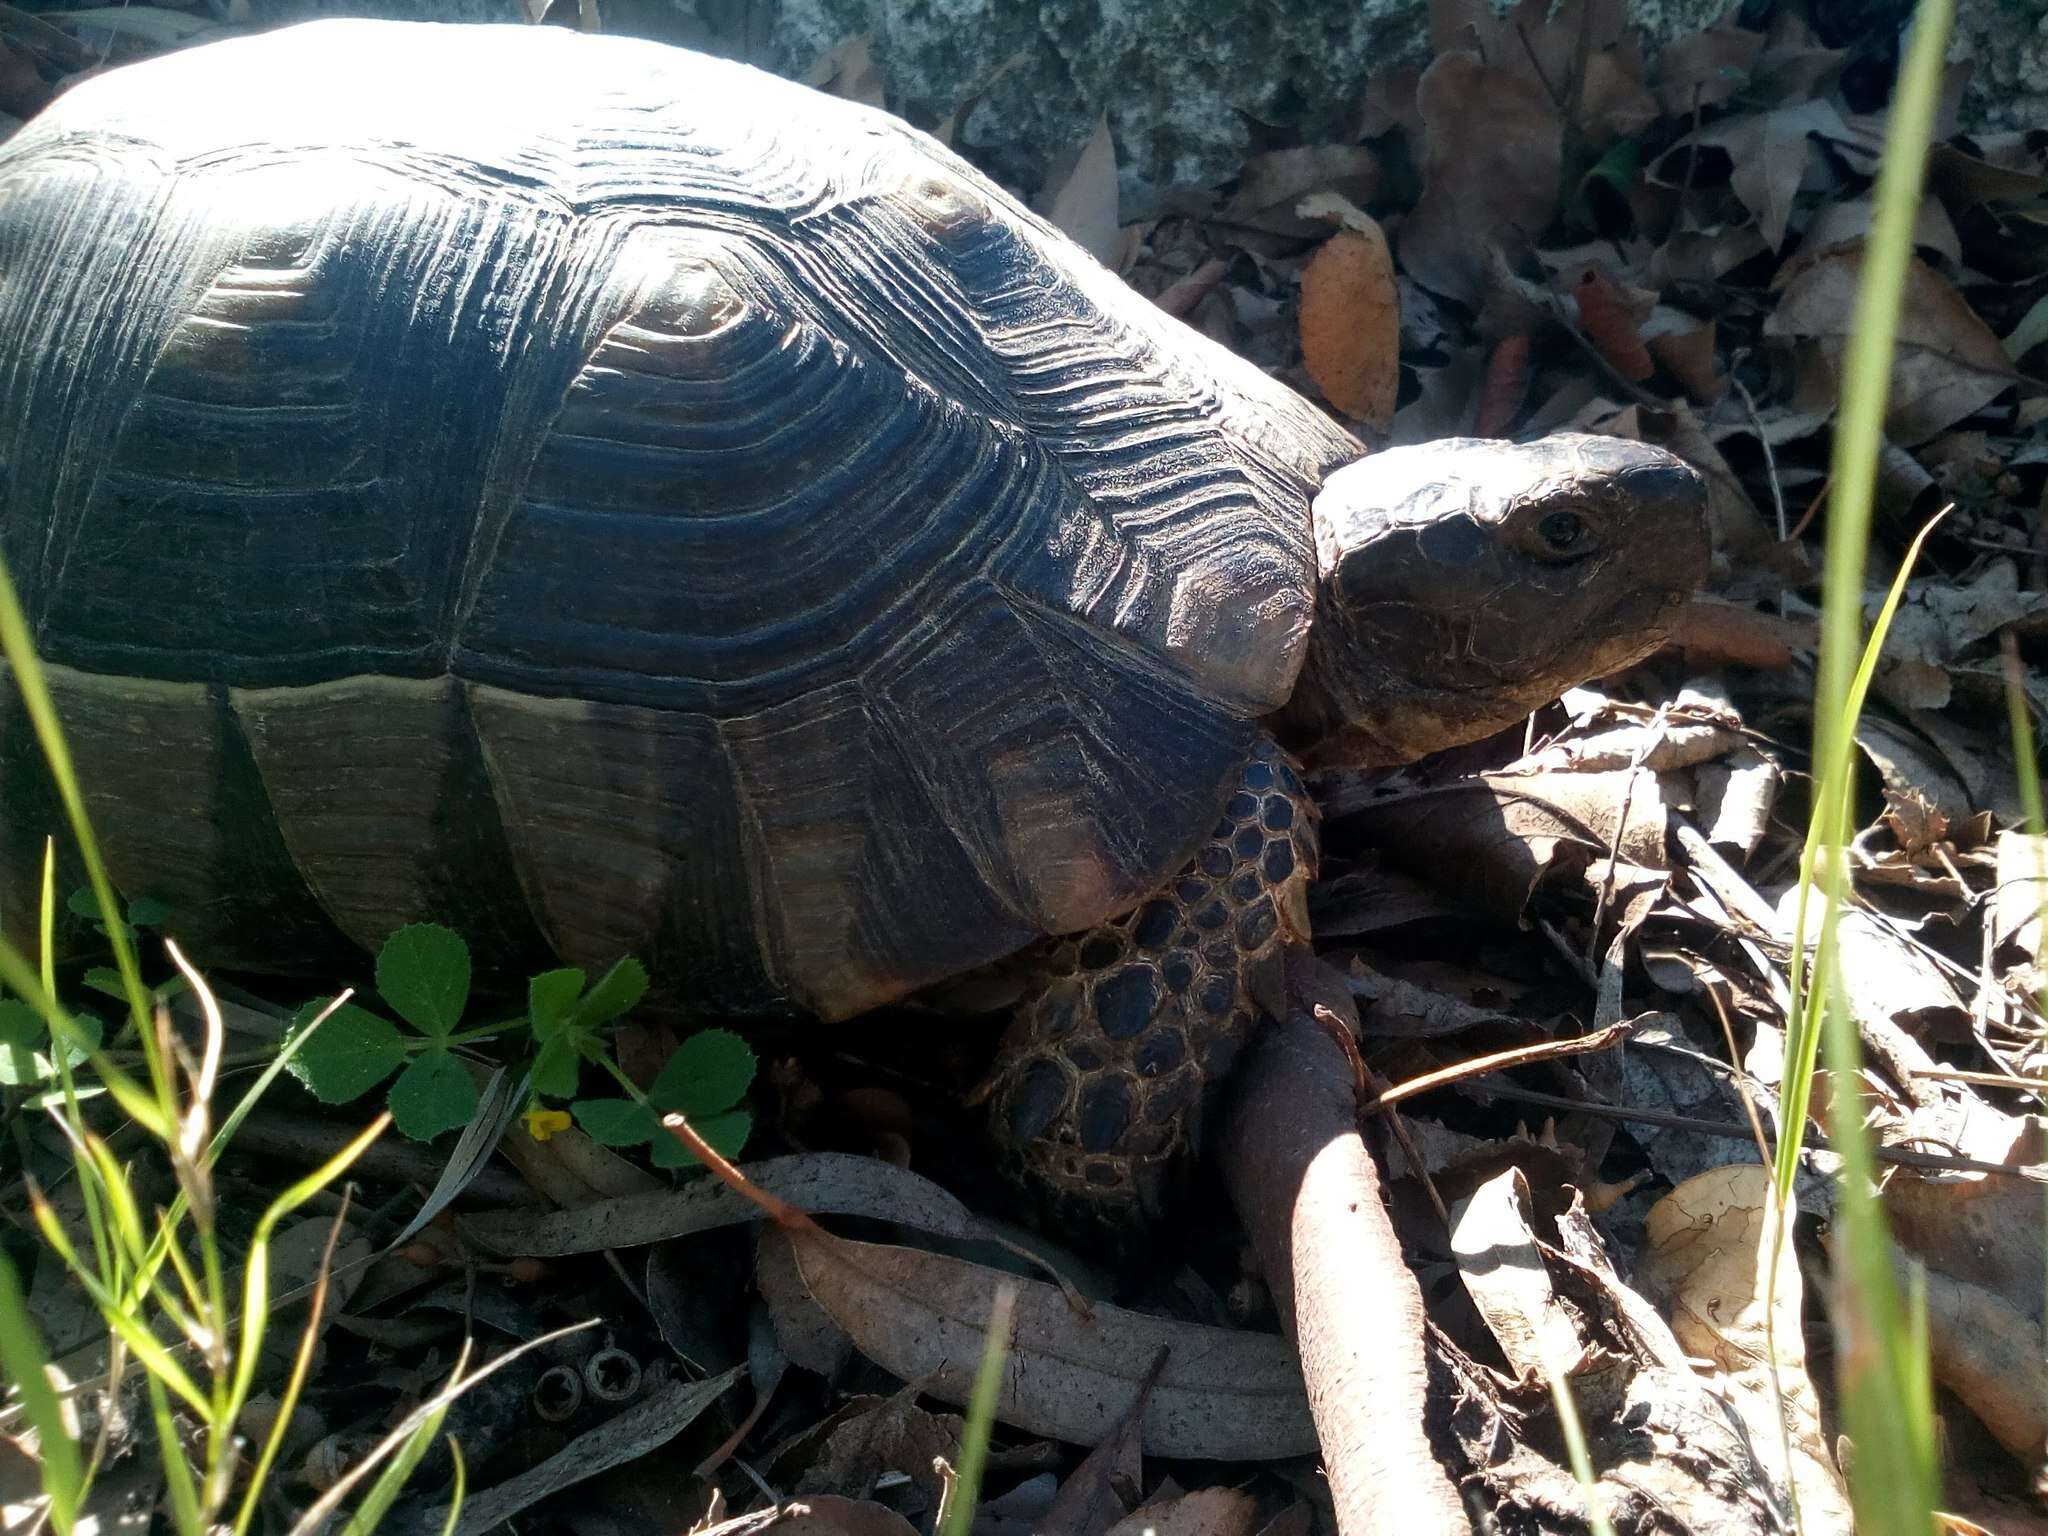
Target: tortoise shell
[{"x": 613, "y": 500}]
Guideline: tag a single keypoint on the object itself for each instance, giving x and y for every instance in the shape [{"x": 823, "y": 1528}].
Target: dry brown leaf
[
  {"x": 1964, "y": 180},
  {"x": 1845, "y": 226},
  {"x": 822, "y": 1183},
  {"x": 1706, "y": 1252},
  {"x": 1491, "y": 839},
  {"x": 1949, "y": 362},
  {"x": 1205, "y": 1512},
  {"x": 827, "y": 1514},
  {"x": 1351, "y": 324},
  {"x": 1272, "y": 185},
  {"x": 653, "y": 1421},
  {"x": 1606, "y": 318},
  {"x": 1502, "y": 389},
  {"x": 1705, "y": 69},
  {"x": 1736, "y": 798},
  {"x": 1502, "y": 1268},
  {"x": 1706, "y": 256},
  {"x": 1986, "y": 1349},
  {"x": 873, "y": 1437},
  {"x": 1369, "y": 899},
  {"x": 804, "y": 1330},
  {"x": 1537, "y": 40},
  {"x": 1768, "y": 154},
  {"x": 1390, "y": 1008},
  {"x": 1980, "y": 1238},
  {"x": 1224, "y": 1395},
  {"x": 1084, "y": 201},
  {"x": 1712, "y": 630},
  {"x": 1614, "y": 103},
  {"x": 1685, "y": 347},
  {"x": 1111, "y": 1476},
  {"x": 1490, "y": 172},
  {"x": 2022, "y": 895}
]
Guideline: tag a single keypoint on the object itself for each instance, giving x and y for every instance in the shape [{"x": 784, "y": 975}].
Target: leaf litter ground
[{"x": 1542, "y": 229}]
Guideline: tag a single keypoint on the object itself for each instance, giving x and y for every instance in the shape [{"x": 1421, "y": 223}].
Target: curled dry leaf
[
  {"x": 2022, "y": 897},
  {"x": 1351, "y": 324},
  {"x": 1111, "y": 1476},
  {"x": 1736, "y": 798},
  {"x": 1606, "y": 319},
  {"x": 804, "y": 1330},
  {"x": 1390, "y": 1008},
  {"x": 1503, "y": 1272},
  {"x": 1224, "y": 1395},
  {"x": 867, "y": 1440},
  {"x": 1768, "y": 153},
  {"x": 1492, "y": 838},
  {"x": 1707, "y": 1256},
  {"x": 1685, "y": 347}
]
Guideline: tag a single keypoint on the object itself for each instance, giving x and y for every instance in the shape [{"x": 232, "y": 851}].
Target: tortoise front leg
[{"x": 1100, "y": 1087}]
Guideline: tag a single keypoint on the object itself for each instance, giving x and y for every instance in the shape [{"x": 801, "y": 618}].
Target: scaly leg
[{"x": 1101, "y": 1083}]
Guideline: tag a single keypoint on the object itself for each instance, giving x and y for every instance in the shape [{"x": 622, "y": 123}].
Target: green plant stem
[{"x": 1881, "y": 1359}]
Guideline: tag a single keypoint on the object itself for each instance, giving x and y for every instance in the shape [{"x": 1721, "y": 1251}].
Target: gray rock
[
  {"x": 1186, "y": 83},
  {"x": 2006, "y": 42}
]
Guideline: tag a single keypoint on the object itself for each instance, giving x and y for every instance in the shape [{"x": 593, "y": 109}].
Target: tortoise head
[{"x": 1466, "y": 582}]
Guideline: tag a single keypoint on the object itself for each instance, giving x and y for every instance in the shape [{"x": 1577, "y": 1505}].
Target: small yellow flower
[{"x": 542, "y": 1122}]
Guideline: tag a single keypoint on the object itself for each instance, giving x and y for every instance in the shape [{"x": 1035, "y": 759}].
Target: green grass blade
[
  {"x": 1829, "y": 828},
  {"x": 981, "y": 1416},
  {"x": 256, "y": 1266},
  {"x": 391, "y": 1481},
  {"x": 136, "y": 1101},
  {"x": 1881, "y": 1369},
  {"x": 19, "y": 648},
  {"x": 22, "y": 1361}
]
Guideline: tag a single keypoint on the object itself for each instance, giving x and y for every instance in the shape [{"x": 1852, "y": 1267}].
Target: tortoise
[{"x": 609, "y": 499}]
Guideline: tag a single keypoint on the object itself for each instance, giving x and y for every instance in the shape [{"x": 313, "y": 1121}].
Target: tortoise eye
[{"x": 1562, "y": 531}]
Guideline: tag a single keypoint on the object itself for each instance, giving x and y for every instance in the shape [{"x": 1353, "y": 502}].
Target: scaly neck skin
[{"x": 1466, "y": 583}]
